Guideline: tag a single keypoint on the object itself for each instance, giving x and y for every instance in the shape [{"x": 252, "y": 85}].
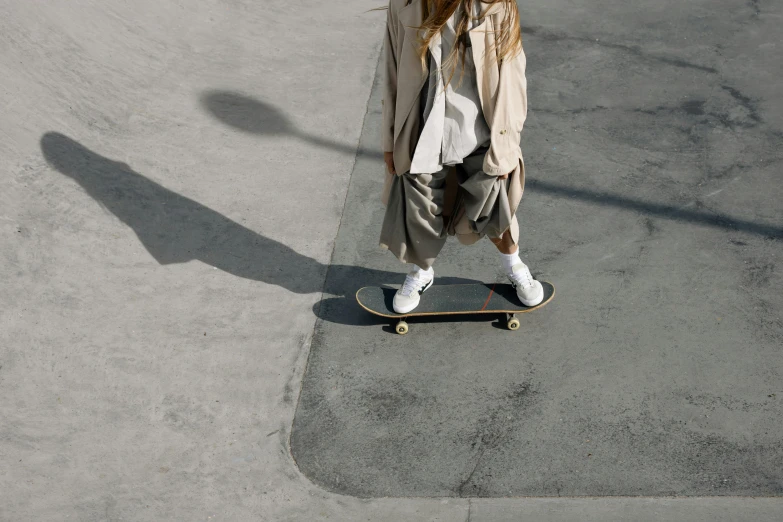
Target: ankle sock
[
  {"x": 420, "y": 272},
  {"x": 510, "y": 261}
]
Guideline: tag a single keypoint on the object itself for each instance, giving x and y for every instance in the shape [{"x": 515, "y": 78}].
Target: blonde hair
[{"x": 436, "y": 13}]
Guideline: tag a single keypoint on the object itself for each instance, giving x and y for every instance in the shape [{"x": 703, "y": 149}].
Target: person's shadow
[{"x": 176, "y": 229}]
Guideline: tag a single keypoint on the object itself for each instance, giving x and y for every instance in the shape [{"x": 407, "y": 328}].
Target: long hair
[{"x": 436, "y": 13}]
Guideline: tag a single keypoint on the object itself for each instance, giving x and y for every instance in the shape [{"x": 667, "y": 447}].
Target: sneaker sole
[{"x": 536, "y": 300}]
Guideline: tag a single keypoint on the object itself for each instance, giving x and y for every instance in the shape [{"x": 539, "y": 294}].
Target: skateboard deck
[{"x": 479, "y": 298}]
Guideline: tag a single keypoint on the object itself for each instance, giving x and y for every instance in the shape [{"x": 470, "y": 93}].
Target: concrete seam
[{"x": 377, "y": 60}]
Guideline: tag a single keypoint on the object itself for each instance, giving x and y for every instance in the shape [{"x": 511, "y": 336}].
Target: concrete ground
[
  {"x": 653, "y": 205},
  {"x": 176, "y": 174}
]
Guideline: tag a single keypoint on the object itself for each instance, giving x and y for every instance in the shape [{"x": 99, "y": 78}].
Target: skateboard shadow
[
  {"x": 495, "y": 321},
  {"x": 176, "y": 229}
]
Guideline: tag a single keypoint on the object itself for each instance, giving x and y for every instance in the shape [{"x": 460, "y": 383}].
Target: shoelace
[
  {"x": 411, "y": 285},
  {"x": 523, "y": 279}
]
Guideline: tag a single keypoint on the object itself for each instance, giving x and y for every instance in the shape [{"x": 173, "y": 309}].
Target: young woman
[{"x": 454, "y": 104}]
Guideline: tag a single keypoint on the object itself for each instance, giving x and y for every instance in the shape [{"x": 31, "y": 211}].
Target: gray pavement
[
  {"x": 175, "y": 178},
  {"x": 657, "y": 369}
]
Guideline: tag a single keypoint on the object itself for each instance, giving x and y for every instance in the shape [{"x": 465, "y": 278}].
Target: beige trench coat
[{"x": 502, "y": 89}]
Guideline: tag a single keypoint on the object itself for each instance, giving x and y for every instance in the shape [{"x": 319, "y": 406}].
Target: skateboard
[{"x": 479, "y": 298}]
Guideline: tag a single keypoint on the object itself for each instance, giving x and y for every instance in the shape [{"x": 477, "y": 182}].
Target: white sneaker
[
  {"x": 407, "y": 297},
  {"x": 529, "y": 291}
]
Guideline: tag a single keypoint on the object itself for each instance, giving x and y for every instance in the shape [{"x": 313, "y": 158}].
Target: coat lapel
[
  {"x": 482, "y": 33},
  {"x": 482, "y": 38},
  {"x": 410, "y": 75}
]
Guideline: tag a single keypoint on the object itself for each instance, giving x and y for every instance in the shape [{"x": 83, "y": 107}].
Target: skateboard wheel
[
  {"x": 402, "y": 328},
  {"x": 513, "y": 323}
]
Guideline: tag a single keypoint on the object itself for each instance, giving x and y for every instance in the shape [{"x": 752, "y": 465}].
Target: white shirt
[{"x": 454, "y": 123}]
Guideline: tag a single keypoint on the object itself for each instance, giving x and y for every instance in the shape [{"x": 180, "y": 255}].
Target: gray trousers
[{"x": 414, "y": 228}]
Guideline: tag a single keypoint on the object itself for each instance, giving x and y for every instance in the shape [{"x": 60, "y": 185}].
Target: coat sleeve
[
  {"x": 390, "y": 80},
  {"x": 509, "y": 117},
  {"x": 515, "y": 67}
]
